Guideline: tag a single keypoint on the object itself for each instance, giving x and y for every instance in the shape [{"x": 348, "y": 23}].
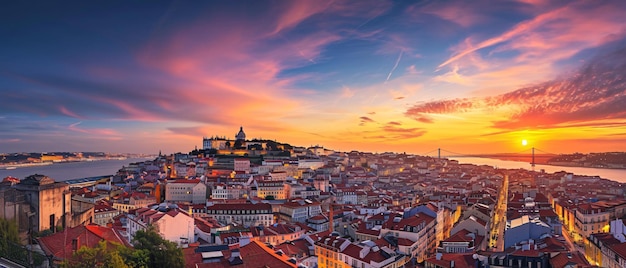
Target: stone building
[
  {"x": 50, "y": 201},
  {"x": 13, "y": 207}
]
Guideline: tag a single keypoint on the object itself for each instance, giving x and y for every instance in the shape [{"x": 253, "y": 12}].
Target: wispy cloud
[
  {"x": 395, "y": 66},
  {"x": 95, "y": 132},
  {"x": 364, "y": 120}
]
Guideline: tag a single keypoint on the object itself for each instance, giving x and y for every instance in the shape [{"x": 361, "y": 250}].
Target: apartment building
[
  {"x": 170, "y": 222},
  {"x": 243, "y": 214},
  {"x": 186, "y": 191}
]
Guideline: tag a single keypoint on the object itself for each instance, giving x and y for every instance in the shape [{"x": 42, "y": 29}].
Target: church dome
[{"x": 241, "y": 135}]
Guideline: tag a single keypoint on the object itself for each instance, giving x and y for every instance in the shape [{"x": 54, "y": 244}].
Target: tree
[
  {"x": 9, "y": 235},
  {"x": 162, "y": 253},
  {"x": 115, "y": 260},
  {"x": 135, "y": 258},
  {"x": 89, "y": 257}
]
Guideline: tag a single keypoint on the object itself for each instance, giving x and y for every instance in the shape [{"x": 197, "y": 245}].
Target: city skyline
[{"x": 488, "y": 77}]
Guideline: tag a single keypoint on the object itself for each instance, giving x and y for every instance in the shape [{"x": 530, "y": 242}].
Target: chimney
[
  {"x": 235, "y": 253},
  {"x": 244, "y": 240},
  {"x": 330, "y": 217}
]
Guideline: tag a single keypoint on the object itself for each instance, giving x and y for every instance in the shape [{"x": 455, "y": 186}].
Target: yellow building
[
  {"x": 271, "y": 188},
  {"x": 335, "y": 252},
  {"x": 51, "y": 158},
  {"x": 328, "y": 250}
]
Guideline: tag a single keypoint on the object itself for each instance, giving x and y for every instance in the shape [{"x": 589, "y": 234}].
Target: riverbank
[
  {"x": 72, "y": 170},
  {"x": 21, "y": 165},
  {"x": 541, "y": 160},
  {"x": 35, "y": 164},
  {"x": 618, "y": 175}
]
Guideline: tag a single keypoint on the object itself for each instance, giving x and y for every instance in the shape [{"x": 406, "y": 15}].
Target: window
[{"x": 52, "y": 222}]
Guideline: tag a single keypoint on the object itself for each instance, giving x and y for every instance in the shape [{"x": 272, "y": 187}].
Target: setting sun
[{"x": 524, "y": 142}]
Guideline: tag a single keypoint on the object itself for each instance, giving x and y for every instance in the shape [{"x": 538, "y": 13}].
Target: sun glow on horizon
[{"x": 524, "y": 142}]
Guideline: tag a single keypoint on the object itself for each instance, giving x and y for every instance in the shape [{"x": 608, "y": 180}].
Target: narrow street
[
  {"x": 496, "y": 239},
  {"x": 570, "y": 244}
]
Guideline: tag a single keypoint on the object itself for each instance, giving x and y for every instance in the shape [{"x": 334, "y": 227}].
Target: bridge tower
[
  {"x": 439, "y": 153},
  {"x": 533, "y": 160}
]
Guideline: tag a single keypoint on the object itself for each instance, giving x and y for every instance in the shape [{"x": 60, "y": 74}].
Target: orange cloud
[{"x": 596, "y": 92}]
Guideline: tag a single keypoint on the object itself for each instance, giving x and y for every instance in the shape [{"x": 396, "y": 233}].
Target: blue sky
[{"x": 409, "y": 76}]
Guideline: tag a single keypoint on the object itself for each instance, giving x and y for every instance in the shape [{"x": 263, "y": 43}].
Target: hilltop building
[
  {"x": 222, "y": 143},
  {"x": 241, "y": 136}
]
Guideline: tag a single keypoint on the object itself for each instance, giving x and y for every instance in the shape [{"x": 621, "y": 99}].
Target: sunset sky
[{"x": 403, "y": 76}]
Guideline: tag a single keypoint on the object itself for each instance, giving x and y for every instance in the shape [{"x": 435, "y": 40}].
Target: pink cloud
[
  {"x": 99, "y": 132},
  {"x": 557, "y": 33},
  {"x": 67, "y": 112},
  {"x": 297, "y": 11},
  {"x": 465, "y": 14},
  {"x": 596, "y": 92}
]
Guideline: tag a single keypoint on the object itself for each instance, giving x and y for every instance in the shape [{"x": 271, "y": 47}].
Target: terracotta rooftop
[
  {"x": 460, "y": 260},
  {"x": 573, "y": 259},
  {"x": 61, "y": 244}
]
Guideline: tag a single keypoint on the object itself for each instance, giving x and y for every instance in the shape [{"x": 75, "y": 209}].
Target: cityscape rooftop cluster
[{"x": 235, "y": 202}]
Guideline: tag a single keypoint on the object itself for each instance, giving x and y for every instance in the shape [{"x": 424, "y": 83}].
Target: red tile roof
[
  {"x": 295, "y": 248},
  {"x": 254, "y": 255},
  {"x": 460, "y": 260},
  {"x": 569, "y": 258},
  {"x": 247, "y": 206},
  {"x": 185, "y": 181},
  {"x": 620, "y": 249},
  {"x": 60, "y": 244}
]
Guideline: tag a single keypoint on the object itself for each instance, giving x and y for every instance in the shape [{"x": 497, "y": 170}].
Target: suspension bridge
[{"x": 532, "y": 155}]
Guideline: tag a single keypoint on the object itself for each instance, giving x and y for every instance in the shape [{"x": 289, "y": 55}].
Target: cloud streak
[{"x": 395, "y": 66}]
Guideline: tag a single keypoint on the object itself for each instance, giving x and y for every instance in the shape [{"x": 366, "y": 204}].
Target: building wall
[
  {"x": 327, "y": 258},
  {"x": 199, "y": 194},
  {"x": 13, "y": 207},
  {"x": 587, "y": 224},
  {"x": 194, "y": 193},
  {"x": 273, "y": 188},
  {"x": 242, "y": 165},
  {"x": 299, "y": 214},
  {"x": 523, "y": 232},
  {"x": 178, "y": 229},
  {"x": 52, "y": 203},
  {"x": 123, "y": 207},
  {"x": 251, "y": 216},
  {"x": 103, "y": 218}
]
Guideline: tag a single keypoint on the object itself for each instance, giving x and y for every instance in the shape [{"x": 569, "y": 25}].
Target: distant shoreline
[
  {"x": 540, "y": 160},
  {"x": 10, "y": 166}
]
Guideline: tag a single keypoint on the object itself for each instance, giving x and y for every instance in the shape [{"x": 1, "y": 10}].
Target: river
[
  {"x": 618, "y": 175},
  {"x": 71, "y": 170},
  {"x": 75, "y": 170}
]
